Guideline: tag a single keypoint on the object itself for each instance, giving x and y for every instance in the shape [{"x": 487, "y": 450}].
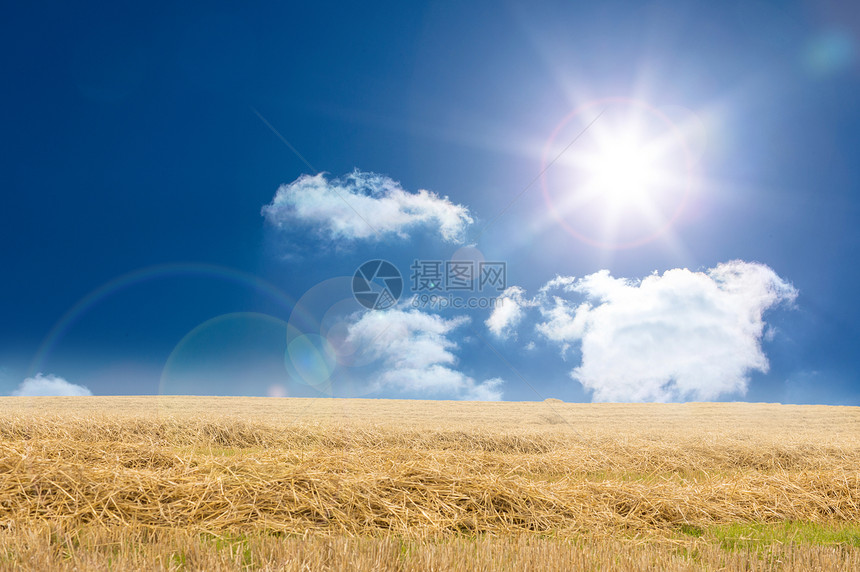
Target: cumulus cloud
[
  {"x": 49, "y": 385},
  {"x": 508, "y": 312},
  {"x": 417, "y": 355},
  {"x": 364, "y": 206},
  {"x": 676, "y": 336}
]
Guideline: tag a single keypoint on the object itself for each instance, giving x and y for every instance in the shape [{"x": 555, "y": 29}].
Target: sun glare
[
  {"x": 626, "y": 178},
  {"x": 623, "y": 174}
]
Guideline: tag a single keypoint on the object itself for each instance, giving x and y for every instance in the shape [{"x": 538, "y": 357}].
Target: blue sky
[{"x": 671, "y": 186}]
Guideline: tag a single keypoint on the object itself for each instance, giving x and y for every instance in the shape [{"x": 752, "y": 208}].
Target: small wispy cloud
[
  {"x": 49, "y": 385},
  {"x": 416, "y": 354},
  {"x": 364, "y": 206}
]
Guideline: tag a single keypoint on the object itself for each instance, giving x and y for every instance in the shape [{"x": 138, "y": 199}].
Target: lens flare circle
[
  {"x": 237, "y": 353},
  {"x": 143, "y": 276},
  {"x": 608, "y": 174},
  {"x": 320, "y": 351},
  {"x": 310, "y": 358}
]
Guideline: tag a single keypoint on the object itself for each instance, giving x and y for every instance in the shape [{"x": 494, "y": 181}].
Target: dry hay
[{"x": 326, "y": 475}]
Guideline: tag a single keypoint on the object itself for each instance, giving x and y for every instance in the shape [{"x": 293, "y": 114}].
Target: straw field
[{"x": 203, "y": 483}]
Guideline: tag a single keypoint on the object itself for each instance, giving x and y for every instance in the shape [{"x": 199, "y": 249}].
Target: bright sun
[
  {"x": 623, "y": 174},
  {"x": 624, "y": 180}
]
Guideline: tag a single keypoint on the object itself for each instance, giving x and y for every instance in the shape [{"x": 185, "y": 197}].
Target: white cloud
[
  {"x": 487, "y": 390},
  {"x": 508, "y": 311},
  {"x": 416, "y": 354},
  {"x": 364, "y": 206},
  {"x": 49, "y": 385},
  {"x": 682, "y": 335}
]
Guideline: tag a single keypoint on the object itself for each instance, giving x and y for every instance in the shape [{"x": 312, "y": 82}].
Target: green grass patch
[
  {"x": 741, "y": 536},
  {"x": 235, "y": 544},
  {"x": 177, "y": 561},
  {"x": 691, "y": 530}
]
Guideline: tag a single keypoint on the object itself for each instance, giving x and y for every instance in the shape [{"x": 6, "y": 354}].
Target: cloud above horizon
[
  {"x": 364, "y": 206},
  {"x": 416, "y": 354},
  {"x": 682, "y": 335},
  {"x": 508, "y": 312},
  {"x": 49, "y": 385}
]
